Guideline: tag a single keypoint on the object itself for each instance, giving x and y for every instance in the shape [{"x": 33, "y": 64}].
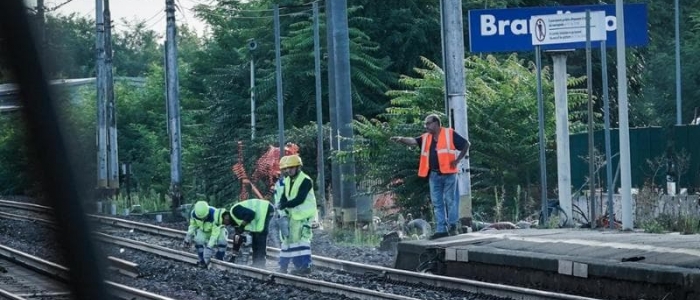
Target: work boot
[
  {"x": 201, "y": 264},
  {"x": 453, "y": 230},
  {"x": 438, "y": 235},
  {"x": 302, "y": 271}
]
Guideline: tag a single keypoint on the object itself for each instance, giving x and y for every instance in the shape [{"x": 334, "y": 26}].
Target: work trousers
[{"x": 297, "y": 246}]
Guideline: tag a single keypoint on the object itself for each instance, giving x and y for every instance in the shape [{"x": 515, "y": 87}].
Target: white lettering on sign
[{"x": 489, "y": 25}]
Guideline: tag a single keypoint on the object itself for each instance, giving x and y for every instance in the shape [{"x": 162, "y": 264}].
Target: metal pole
[
  {"x": 543, "y": 157},
  {"x": 173, "y": 107},
  {"x": 623, "y": 111},
  {"x": 444, "y": 66},
  {"x": 319, "y": 109},
  {"x": 352, "y": 211},
  {"x": 101, "y": 109},
  {"x": 336, "y": 182},
  {"x": 252, "y": 97},
  {"x": 113, "y": 149},
  {"x": 456, "y": 95},
  {"x": 679, "y": 115},
  {"x": 591, "y": 154},
  {"x": 278, "y": 66},
  {"x": 608, "y": 151}
]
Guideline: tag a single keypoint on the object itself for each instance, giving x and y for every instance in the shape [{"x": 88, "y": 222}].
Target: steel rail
[
  {"x": 251, "y": 272},
  {"x": 396, "y": 275},
  {"x": 26, "y": 206},
  {"x": 26, "y": 218},
  {"x": 62, "y": 273},
  {"x": 8, "y": 295}
]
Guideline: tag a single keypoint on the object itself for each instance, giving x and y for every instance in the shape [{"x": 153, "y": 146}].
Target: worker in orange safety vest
[{"x": 441, "y": 151}]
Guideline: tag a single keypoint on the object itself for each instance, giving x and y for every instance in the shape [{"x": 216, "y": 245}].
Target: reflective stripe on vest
[
  {"x": 260, "y": 207},
  {"x": 305, "y": 210},
  {"x": 446, "y": 152}
]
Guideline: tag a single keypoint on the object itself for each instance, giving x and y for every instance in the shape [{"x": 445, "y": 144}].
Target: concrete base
[{"x": 608, "y": 265}]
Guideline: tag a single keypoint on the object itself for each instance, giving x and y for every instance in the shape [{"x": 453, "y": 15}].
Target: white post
[
  {"x": 625, "y": 168},
  {"x": 562, "y": 123}
]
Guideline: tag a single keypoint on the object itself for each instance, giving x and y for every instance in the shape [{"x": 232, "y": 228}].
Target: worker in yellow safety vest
[
  {"x": 207, "y": 228},
  {"x": 253, "y": 216},
  {"x": 298, "y": 203}
]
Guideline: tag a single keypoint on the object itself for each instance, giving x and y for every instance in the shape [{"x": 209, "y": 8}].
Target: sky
[{"x": 153, "y": 11}]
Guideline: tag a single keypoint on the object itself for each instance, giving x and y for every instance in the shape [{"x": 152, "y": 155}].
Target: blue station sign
[{"x": 505, "y": 30}]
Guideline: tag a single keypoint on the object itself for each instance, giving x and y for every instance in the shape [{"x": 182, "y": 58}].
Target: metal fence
[{"x": 651, "y": 149}]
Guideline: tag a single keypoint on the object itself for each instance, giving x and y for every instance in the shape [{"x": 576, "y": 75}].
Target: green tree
[
  {"x": 70, "y": 46},
  {"x": 136, "y": 48},
  {"x": 501, "y": 96},
  {"x": 224, "y": 69}
]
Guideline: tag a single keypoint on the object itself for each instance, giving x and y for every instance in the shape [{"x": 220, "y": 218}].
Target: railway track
[
  {"x": 24, "y": 276},
  {"x": 375, "y": 273}
]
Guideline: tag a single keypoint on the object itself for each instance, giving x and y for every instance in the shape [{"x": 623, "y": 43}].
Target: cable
[
  {"x": 57, "y": 6},
  {"x": 294, "y": 14},
  {"x": 155, "y": 15},
  {"x": 427, "y": 265},
  {"x": 267, "y": 17},
  {"x": 282, "y": 8}
]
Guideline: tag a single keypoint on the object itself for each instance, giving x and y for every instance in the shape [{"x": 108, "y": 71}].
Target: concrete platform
[{"x": 602, "y": 264}]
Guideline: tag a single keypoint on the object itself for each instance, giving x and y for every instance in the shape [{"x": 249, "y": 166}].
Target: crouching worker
[
  {"x": 254, "y": 215},
  {"x": 298, "y": 202},
  {"x": 207, "y": 229}
]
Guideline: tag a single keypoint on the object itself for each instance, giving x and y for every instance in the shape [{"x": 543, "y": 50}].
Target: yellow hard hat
[
  {"x": 293, "y": 161},
  {"x": 283, "y": 163},
  {"x": 201, "y": 209}
]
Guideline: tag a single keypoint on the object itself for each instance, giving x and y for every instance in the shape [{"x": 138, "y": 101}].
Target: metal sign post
[{"x": 558, "y": 29}]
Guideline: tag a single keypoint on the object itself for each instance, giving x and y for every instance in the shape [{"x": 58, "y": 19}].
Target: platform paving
[{"x": 615, "y": 264}]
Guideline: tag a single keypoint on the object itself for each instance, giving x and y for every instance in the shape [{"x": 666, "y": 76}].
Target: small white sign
[{"x": 566, "y": 28}]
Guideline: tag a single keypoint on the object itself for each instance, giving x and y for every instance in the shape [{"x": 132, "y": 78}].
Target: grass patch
[
  {"x": 356, "y": 237},
  {"x": 148, "y": 203}
]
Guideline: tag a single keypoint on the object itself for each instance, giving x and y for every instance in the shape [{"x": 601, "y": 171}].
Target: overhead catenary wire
[
  {"x": 295, "y": 14},
  {"x": 57, "y": 6},
  {"x": 220, "y": 10}
]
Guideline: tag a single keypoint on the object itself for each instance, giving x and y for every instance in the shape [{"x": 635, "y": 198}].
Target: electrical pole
[
  {"x": 173, "y": 98},
  {"x": 101, "y": 109},
  {"x": 336, "y": 182},
  {"x": 252, "y": 45},
  {"x": 278, "y": 78},
  {"x": 352, "y": 212},
  {"x": 319, "y": 110},
  {"x": 453, "y": 43},
  {"x": 113, "y": 157}
]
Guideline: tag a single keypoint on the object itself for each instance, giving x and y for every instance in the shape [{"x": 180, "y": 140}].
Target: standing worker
[
  {"x": 279, "y": 226},
  {"x": 254, "y": 215},
  {"x": 208, "y": 230},
  {"x": 439, "y": 160},
  {"x": 298, "y": 202}
]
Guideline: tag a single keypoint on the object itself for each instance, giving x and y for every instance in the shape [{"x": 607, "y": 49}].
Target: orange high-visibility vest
[{"x": 446, "y": 152}]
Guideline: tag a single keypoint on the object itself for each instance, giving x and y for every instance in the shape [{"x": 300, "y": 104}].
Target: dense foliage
[{"x": 396, "y": 80}]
